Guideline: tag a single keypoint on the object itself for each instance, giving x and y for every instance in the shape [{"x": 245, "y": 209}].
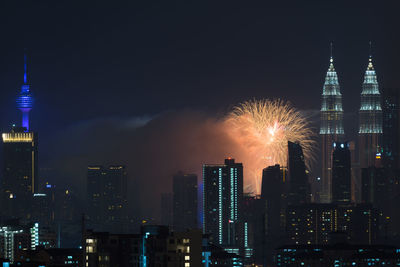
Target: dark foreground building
[
  {"x": 184, "y": 201},
  {"x": 337, "y": 255},
  {"x": 299, "y": 188},
  {"x": 341, "y": 173},
  {"x": 154, "y": 246},
  {"x": 57, "y": 257}
]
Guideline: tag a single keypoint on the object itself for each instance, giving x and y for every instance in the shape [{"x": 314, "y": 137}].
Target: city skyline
[
  {"x": 142, "y": 123},
  {"x": 85, "y": 82}
]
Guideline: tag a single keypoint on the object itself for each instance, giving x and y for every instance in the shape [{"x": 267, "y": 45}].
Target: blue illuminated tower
[
  {"x": 331, "y": 129},
  {"x": 370, "y": 120},
  {"x": 25, "y": 100}
]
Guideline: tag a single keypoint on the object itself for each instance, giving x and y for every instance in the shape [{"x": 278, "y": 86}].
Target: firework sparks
[{"x": 262, "y": 129}]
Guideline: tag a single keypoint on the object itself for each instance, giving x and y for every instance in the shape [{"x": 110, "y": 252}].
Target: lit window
[{"x": 187, "y": 258}]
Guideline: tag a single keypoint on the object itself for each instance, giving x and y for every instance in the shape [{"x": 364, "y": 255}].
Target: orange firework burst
[{"x": 262, "y": 129}]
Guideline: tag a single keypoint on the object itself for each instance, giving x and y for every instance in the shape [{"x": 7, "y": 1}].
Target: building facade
[
  {"x": 107, "y": 197},
  {"x": 314, "y": 223},
  {"x": 222, "y": 204}
]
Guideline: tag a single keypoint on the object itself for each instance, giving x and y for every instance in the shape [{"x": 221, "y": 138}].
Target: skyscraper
[
  {"x": 20, "y": 170},
  {"x": 341, "y": 173},
  {"x": 391, "y": 128},
  {"x": 273, "y": 209},
  {"x": 222, "y": 202},
  {"x": 116, "y": 198},
  {"x": 370, "y": 120},
  {"x": 184, "y": 201},
  {"x": 254, "y": 230},
  {"x": 20, "y": 147},
  {"x": 107, "y": 196},
  {"x": 299, "y": 187},
  {"x": 376, "y": 187},
  {"x": 95, "y": 191},
  {"x": 331, "y": 126}
]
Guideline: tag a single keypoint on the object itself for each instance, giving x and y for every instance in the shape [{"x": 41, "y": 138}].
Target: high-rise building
[
  {"x": 95, "y": 191},
  {"x": 116, "y": 195},
  {"x": 42, "y": 211},
  {"x": 376, "y": 188},
  {"x": 254, "y": 227},
  {"x": 341, "y": 173},
  {"x": 370, "y": 120},
  {"x": 20, "y": 155},
  {"x": 274, "y": 194},
  {"x": 107, "y": 196},
  {"x": 222, "y": 203},
  {"x": 299, "y": 187},
  {"x": 184, "y": 201},
  {"x": 274, "y": 199},
  {"x": 313, "y": 223},
  {"x": 14, "y": 237},
  {"x": 20, "y": 179},
  {"x": 391, "y": 128},
  {"x": 331, "y": 128}
]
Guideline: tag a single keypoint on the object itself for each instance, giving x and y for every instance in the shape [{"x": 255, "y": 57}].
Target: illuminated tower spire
[
  {"x": 25, "y": 99},
  {"x": 370, "y": 118},
  {"x": 331, "y": 128}
]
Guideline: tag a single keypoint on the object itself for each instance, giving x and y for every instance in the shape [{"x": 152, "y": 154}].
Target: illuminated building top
[
  {"x": 25, "y": 99},
  {"x": 370, "y": 109},
  {"x": 331, "y": 107},
  {"x": 15, "y": 137}
]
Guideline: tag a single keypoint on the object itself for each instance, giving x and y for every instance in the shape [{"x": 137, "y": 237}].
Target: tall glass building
[
  {"x": 331, "y": 128},
  {"x": 222, "y": 204},
  {"x": 370, "y": 120}
]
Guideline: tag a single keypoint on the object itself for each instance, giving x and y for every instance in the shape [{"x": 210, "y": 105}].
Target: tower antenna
[
  {"x": 370, "y": 50},
  {"x": 25, "y": 66},
  {"x": 331, "y": 52}
]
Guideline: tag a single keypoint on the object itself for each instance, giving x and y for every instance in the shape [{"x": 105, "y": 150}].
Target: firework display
[{"x": 262, "y": 129}]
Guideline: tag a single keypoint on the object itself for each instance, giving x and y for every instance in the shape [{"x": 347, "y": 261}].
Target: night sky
[{"x": 115, "y": 81}]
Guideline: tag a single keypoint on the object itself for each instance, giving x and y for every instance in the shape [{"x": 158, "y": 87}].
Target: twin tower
[{"x": 332, "y": 130}]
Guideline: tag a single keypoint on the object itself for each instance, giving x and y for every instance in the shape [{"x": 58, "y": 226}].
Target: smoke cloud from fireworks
[
  {"x": 155, "y": 148},
  {"x": 261, "y": 129}
]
